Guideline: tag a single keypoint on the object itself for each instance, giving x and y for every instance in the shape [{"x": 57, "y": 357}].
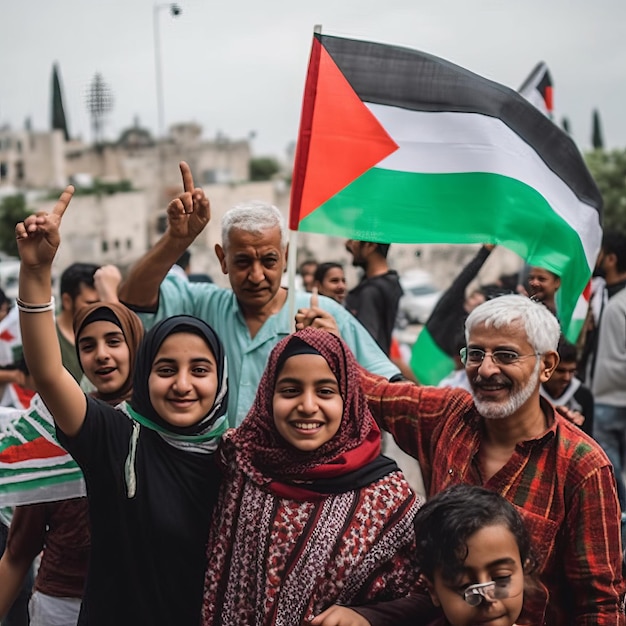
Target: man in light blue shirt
[{"x": 252, "y": 317}]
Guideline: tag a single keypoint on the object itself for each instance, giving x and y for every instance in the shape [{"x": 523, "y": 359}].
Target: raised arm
[
  {"x": 106, "y": 280},
  {"x": 37, "y": 241},
  {"x": 187, "y": 216}
]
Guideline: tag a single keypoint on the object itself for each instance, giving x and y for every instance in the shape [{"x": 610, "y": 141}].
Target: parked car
[
  {"x": 419, "y": 299},
  {"x": 9, "y": 275}
]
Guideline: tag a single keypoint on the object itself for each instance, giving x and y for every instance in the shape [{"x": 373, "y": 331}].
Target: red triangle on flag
[
  {"x": 6, "y": 335},
  {"x": 40, "y": 448},
  {"x": 339, "y": 138}
]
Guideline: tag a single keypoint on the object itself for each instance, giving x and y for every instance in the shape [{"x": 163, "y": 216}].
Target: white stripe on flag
[{"x": 444, "y": 142}]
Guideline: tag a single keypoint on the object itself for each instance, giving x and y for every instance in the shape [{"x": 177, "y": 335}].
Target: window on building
[
  {"x": 105, "y": 246},
  {"x": 19, "y": 170},
  {"x": 209, "y": 177},
  {"x": 129, "y": 244},
  {"x": 4, "y": 170},
  {"x": 161, "y": 224}
]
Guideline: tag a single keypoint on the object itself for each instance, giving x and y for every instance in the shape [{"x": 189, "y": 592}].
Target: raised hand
[
  {"x": 38, "y": 235},
  {"x": 316, "y": 317},
  {"x": 338, "y": 616},
  {"x": 107, "y": 280},
  {"x": 188, "y": 214},
  {"x": 576, "y": 417}
]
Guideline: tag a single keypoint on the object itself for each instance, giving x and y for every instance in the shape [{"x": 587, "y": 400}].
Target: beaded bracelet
[{"x": 27, "y": 307}]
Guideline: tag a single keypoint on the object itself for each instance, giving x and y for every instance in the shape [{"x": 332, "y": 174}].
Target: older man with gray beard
[{"x": 504, "y": 436}]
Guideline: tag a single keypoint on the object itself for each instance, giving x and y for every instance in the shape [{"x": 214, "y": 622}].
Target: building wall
[
  {"x": 31, "y": 160},
  {"x": 105, "y": 229},
  {"x": 120, "y": 228}
]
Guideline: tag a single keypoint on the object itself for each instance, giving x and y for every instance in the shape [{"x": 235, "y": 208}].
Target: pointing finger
[
  {"x": 185, "y": 170},
  {"x": 63, "y": 201},
  {"x": 315, "y": 299}
]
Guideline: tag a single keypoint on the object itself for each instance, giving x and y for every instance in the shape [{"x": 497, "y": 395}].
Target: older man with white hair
[
  {"x": 252, "y": 317},
  {"x": 504, "y": 436}
]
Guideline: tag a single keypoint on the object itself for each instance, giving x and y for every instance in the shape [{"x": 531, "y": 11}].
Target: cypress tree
[
  {"x": 565, "y": 125},
  {"x": 596, "y": 138},
  {"x": 58, "y": 113}
]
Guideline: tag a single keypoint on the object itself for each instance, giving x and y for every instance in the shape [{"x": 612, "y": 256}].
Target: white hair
[
  {"x": 541, "y": 326},
  {"x": 253, "y": 217}
]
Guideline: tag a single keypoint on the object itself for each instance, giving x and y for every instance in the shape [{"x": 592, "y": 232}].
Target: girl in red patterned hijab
[{"x": 310, "y": 513}]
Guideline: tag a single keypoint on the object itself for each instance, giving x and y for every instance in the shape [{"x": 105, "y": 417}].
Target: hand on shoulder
[{"x": 338, "y": 616}]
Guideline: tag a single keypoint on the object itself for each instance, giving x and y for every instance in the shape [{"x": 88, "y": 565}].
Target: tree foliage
[
  {"x": 609, "y": 171},
  {"x": 565, "y": 125},
  {"x": 12, "y": 210},
  {"x": 263, "y": 168}
]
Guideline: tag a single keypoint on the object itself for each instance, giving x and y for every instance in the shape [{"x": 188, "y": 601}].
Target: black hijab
[{"x": 212, "y": 425}]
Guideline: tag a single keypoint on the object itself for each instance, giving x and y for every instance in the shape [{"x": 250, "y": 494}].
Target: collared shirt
[
  {"x": 561, "y": 482},
  {"x": 246, "y": 355}
]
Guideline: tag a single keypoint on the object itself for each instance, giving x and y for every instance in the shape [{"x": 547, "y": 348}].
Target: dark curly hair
[{"x": 445, "y": 523}]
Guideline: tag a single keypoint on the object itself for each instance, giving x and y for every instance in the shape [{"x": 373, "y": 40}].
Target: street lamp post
[{"x": 175, "y": 11}]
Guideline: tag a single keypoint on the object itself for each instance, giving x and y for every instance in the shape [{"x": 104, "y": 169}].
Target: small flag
[{"x": 538, "y": 89}]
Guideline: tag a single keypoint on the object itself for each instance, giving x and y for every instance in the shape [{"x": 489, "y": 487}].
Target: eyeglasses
[
  {"x": 491, "y": 591},
  {"x": 475, "y": 356}
]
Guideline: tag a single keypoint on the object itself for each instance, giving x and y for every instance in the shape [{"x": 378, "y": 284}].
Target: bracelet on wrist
[{"x": 27, "y": 307}]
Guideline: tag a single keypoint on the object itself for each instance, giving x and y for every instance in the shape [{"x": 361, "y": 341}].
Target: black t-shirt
[
  {"x": 147, "y": 552},
  {"x": 374, "y": 302}
]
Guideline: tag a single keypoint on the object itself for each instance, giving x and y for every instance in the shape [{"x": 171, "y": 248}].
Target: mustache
[{"x": 496, "y": 379}]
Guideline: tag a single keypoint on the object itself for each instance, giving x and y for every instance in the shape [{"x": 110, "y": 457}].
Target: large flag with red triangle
[{"x": 399, "y": 146}]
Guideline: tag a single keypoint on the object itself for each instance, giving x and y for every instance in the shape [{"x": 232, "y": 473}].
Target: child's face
[
  {"x": 307, "y": 404},
  {"x": 183, "y": 379},
  {"x": 493, "y": 555},
  {"x": 104, "y": 356}
]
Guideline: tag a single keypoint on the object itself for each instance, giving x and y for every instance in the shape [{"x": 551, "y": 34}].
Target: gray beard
[{"x": 500, "y": 410}]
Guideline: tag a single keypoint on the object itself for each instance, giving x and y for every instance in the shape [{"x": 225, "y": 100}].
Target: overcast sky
[{"x": 238, "y": 66}]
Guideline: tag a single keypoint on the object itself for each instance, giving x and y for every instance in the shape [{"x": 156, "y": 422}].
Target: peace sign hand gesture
[
  {"x": 38, "y": 235},
  {"x": 188, "y": 214}
]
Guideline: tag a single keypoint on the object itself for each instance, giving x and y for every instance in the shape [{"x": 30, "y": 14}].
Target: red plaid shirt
[{"x": 562, "y": 483}]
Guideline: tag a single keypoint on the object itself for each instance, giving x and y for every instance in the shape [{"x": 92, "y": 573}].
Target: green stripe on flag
[
  {"x": 474, "y": 207},
  {"x": 428, "y": 361}
]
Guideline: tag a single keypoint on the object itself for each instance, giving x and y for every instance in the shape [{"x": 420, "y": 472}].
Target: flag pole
[
  {"x": 291, "y": 278},
  {"x": 293, "y": 257}
]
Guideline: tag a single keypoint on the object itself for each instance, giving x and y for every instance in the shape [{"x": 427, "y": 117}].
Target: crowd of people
[{"x": 234, "y": 472}]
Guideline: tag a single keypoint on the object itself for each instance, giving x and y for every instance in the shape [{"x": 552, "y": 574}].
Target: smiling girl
[
  {"x": 149, "y": 464},
  {"x": 107, "y": 339},
  {"x": 310, "y": 513}
]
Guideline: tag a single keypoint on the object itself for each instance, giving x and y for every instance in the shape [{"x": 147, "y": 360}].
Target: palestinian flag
[
  {"x": 538, "y": 89},
  {"x": 33, "y": 466},
  {"x": 396, "y": 145}
]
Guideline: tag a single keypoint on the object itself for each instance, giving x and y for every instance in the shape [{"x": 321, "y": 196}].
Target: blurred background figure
[
  {"x": 306, "y": 271},
  {"x": 330, "y": 280},
  {"x": 566, "y": 392},
  {"x": 374, "y": 301},
  {"x": 542, "y": 286}
]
